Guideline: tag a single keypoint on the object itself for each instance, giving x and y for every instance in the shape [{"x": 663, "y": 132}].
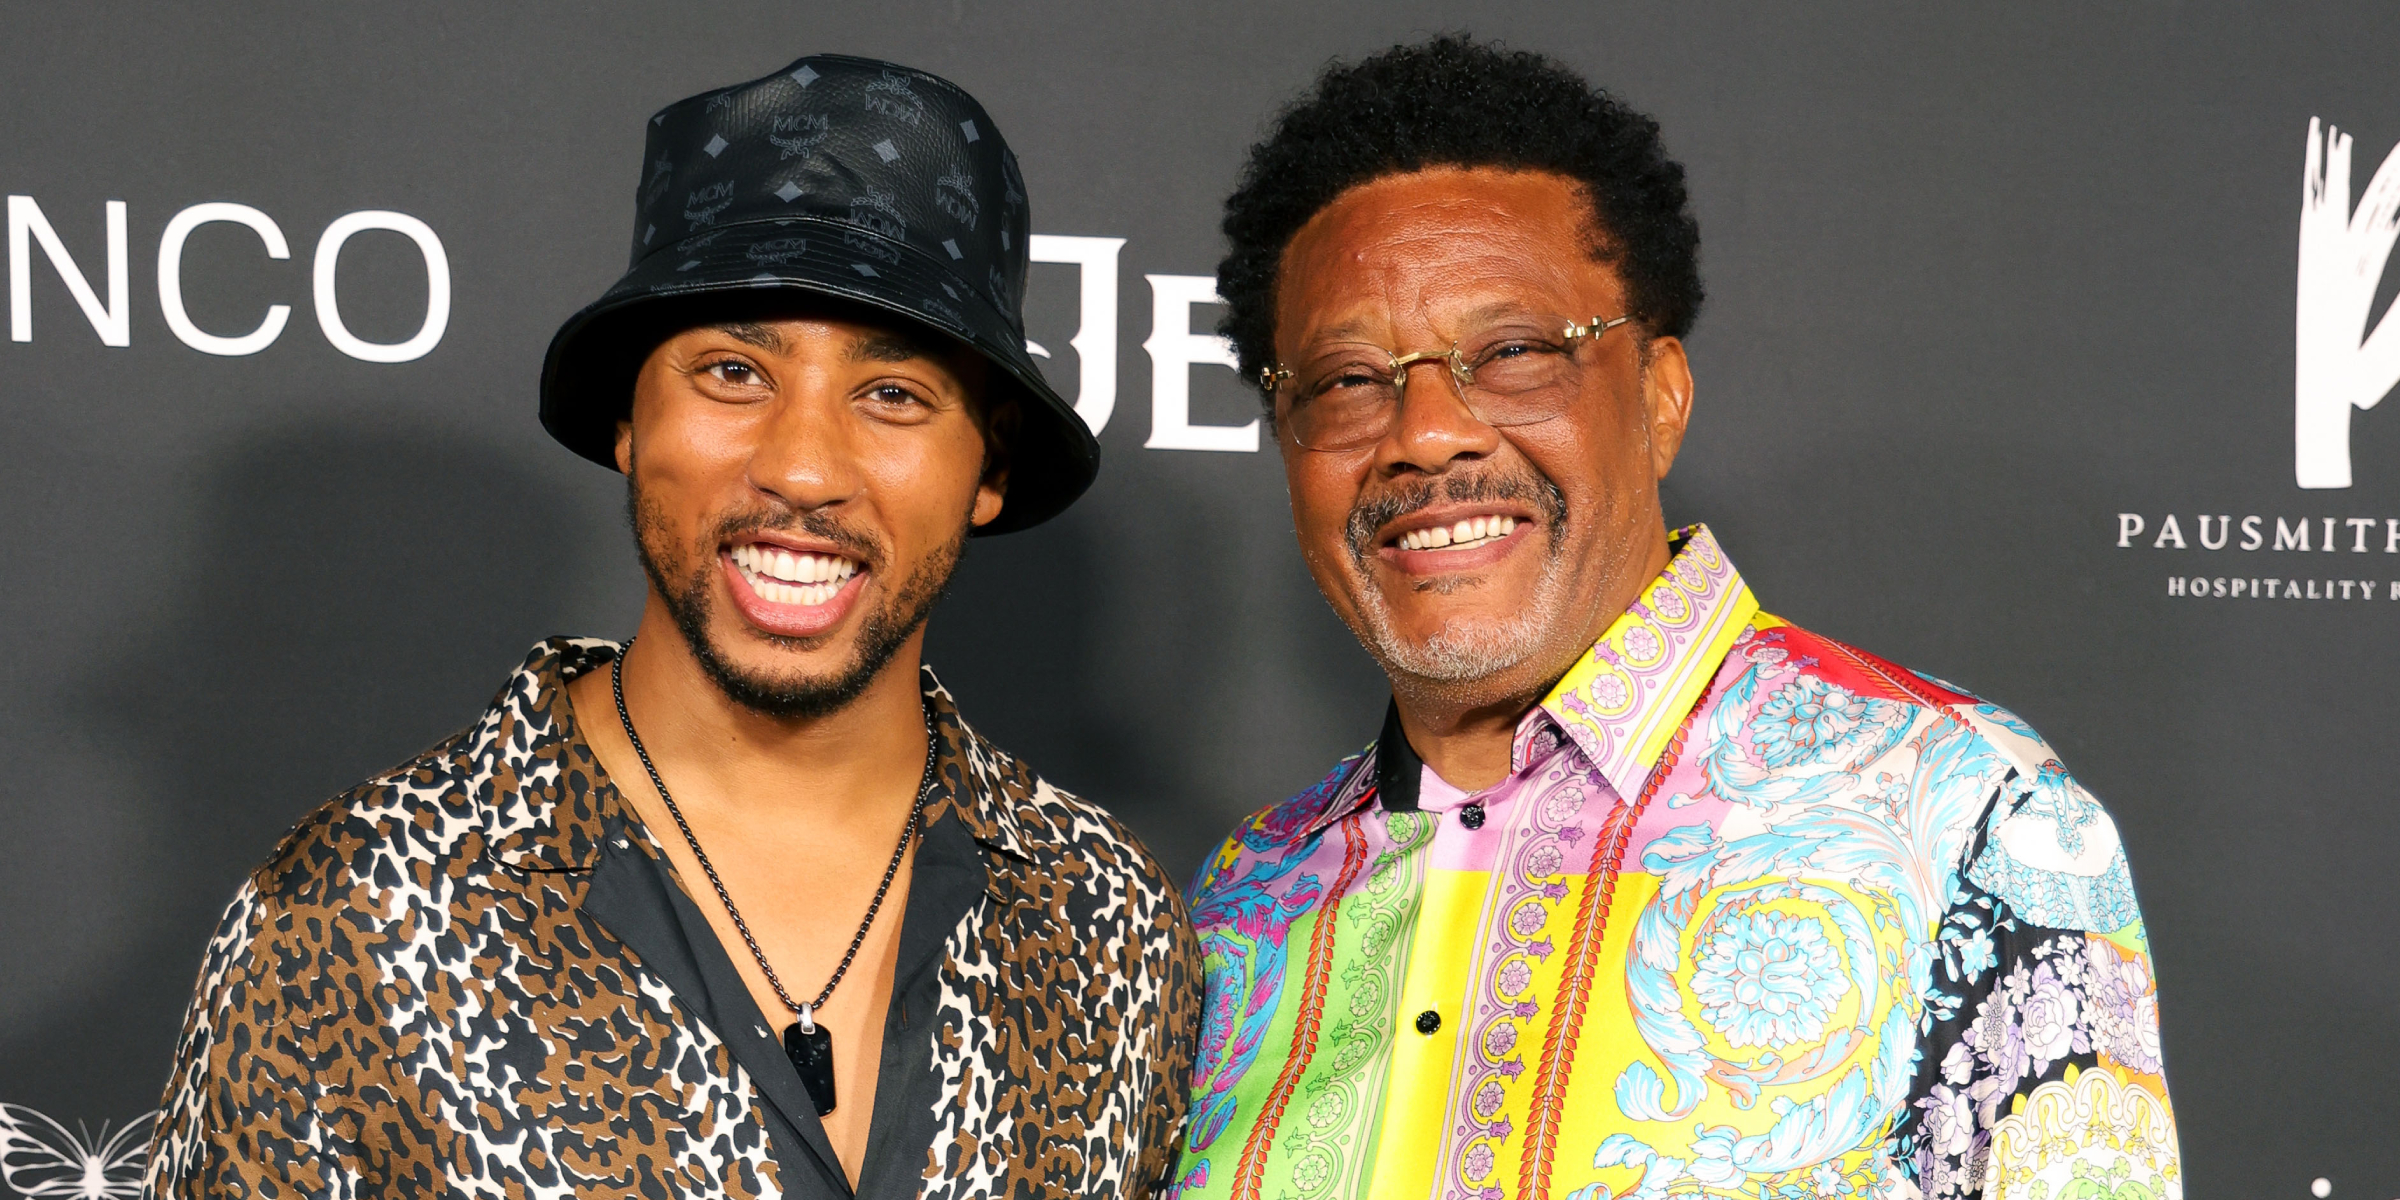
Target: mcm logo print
[
  {"x": 776, "y": 252},
  {"x": 2339, "y": 363},
  {"x": 954, "y": 193},
  {"x": 892, "y": 97},
  {"x": 703, "y": 206},
  {"x": 662, "y": 173},
  {"x": 720, "y": 100},
  {"x": 800, "y": 134},
  {"x": 950, "y": 316},
  {"x": 871, "y": 246},
  {"x": 1012, "y": 185},
  {"x": 1001, "y": 294},
  {"x": 875, "y": 210}
]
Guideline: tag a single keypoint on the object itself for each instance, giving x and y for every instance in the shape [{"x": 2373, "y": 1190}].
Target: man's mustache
[
  {"x": 868, "y": 551},
  {"x": 1373, "y": 513}
]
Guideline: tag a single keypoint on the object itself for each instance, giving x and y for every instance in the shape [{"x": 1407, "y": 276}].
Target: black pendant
[{"x": 812, "y": 1055}]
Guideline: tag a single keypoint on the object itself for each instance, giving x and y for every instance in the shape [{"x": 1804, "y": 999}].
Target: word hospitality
[{"x": 2323, "y": 535}]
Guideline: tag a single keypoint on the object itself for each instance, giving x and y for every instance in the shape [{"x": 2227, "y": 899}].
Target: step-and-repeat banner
[{"x": 2042, "y": 354}]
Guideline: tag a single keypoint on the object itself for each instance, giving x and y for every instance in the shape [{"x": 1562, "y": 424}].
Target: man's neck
[
  {"x": 1467, "y": 746},
  {"x": 1466, "y": 732},
  {"x": 848, "y": 770}
]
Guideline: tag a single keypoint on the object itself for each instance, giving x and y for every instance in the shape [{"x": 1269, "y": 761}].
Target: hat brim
[{"x": 588, "y": 374}]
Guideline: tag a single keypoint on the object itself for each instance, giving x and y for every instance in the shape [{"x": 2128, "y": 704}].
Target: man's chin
[
  {"x": 792, "y": 669},
  {"x": 775, "y": 674},
  {"x": 1476, "y": 637},
  {"x": 770, "y": 676},
  {"x": 1461, "y": 651},
  {"x": 1471, "y": 645}
]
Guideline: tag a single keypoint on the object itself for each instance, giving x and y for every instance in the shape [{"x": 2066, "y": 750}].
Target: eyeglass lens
[{"x": 1517, "y": 372}]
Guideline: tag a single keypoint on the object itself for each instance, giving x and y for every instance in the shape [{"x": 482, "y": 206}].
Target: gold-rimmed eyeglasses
[{"x": 1518, "y": 370}]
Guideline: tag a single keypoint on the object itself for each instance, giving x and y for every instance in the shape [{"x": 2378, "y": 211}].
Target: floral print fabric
[
  {"x": 2022, "y": 1009},
  {"x": 1766, "y": 980},
  {"x": 1755, "y": 914}
]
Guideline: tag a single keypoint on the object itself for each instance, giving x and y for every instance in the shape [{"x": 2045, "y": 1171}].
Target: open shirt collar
[{"x": 1622, "y": 701}]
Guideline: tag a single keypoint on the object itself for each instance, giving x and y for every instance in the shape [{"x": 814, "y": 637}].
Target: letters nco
[{"x": 113, "y": 320}]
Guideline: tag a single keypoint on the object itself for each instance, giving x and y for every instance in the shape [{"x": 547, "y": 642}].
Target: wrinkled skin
[{"x": 1470, "y": 638}]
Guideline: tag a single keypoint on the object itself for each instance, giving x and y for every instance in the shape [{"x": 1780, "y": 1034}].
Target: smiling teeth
[
  {"x": 783, "y": 577},
  {"x": 1474, "y": 531}
]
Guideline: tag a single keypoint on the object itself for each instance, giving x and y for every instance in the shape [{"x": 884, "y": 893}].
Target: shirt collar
[
  {"x": 547, "y": 805},
  {"x": 978, "y": 784},
  {"x": 1621, "y": 702},
  {"x": 544, "y": 801}
]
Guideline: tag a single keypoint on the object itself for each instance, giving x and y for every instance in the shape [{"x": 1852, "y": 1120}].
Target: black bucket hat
[{"x": 848, "y": 178}]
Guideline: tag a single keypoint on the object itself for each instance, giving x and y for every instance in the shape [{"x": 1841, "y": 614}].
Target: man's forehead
[
  {"x": 1466, "y": 244},
  {"x": 859, "y": 339},
  {"x": 1345, "y": 300},
  {"x": 1437, "y": 202}
]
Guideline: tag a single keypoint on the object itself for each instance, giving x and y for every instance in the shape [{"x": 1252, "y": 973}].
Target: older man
[
  {"x": 743, "y": 908},
  {"x": 1641, "y": 891}
]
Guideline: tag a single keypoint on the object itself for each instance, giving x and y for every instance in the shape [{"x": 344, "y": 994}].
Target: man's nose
[
  {"x": 806, "y": 455},
  {"x": 1434, "y": 426}
]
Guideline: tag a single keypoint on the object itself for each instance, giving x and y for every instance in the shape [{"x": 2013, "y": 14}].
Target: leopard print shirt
[{"x": 406, "y": 999}]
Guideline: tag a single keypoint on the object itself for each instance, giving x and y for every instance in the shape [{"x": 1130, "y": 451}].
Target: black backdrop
[{"x": 1981, "y": 283}]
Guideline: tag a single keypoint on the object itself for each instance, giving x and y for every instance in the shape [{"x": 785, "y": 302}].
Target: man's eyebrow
[
  {"x": 1496, "y": 310},
  {"x": 762, "y": 336},
  {"x": 888, "y": 348},
  {"x": 1355, "y": 328}
]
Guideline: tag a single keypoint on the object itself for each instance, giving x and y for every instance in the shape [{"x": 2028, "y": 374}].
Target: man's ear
[
  {"x": 1666, "y": 400},
  {"x": 625, "y": 446},
  {"x": 999, "y": 433}
]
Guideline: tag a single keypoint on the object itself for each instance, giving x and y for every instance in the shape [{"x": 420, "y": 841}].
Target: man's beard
[
  {"x": 881, "y": 633},
  {"x": 1462, "y": 651}
]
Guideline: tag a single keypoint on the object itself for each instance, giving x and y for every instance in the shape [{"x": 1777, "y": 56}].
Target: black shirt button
[
  {"x": 1472, "y": 817},
  {"x": 1428, "y": 1021}
]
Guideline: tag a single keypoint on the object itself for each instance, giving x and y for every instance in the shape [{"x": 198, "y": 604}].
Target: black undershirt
[
  {"x": 1398, "y": 771},
  {"x": 635, "y": 900}
]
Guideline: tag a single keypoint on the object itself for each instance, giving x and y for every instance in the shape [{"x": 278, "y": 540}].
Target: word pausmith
[
  {"x": 1172, "y": 346},
  {"x": 2214, "y": 532}
]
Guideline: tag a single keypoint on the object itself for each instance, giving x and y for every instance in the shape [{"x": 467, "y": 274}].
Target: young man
[
  {"x": 742, "y": 908},
  {"x": 1641, "y": 892}
]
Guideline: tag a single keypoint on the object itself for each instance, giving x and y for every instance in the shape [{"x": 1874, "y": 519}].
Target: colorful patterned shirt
[
  {"x": 478, "y": 975},
  {"x": 1754, "y": 914}
]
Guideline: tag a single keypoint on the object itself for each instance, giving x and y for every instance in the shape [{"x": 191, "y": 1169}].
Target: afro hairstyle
[{"x": 1454, "y": 101}]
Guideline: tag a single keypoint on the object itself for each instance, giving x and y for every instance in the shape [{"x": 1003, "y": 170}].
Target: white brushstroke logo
[
  {"x": 2339, "y": 364},
  {"x": 41, "y": 1160}
]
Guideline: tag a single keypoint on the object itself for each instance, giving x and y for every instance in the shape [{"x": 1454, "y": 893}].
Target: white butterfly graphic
[{"x": 40, "y": 1160}]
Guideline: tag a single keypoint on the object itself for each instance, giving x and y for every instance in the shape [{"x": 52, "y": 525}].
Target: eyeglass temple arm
[{"x": 1597, "y": 326}]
